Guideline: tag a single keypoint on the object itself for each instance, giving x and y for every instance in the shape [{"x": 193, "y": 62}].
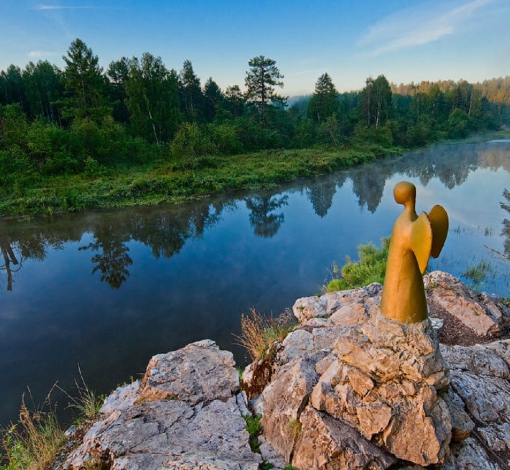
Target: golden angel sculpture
[{"x": 413, "y": 240}]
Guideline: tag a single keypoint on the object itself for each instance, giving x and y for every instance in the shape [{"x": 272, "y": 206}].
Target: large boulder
[
  {"x": 186, "y": 413},
  {"x": 350, "y": 389}
]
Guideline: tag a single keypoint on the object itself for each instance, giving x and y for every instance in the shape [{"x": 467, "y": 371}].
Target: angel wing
[
  {"x": 421, "y": 240},
  {"x": 439, "y": 222}
]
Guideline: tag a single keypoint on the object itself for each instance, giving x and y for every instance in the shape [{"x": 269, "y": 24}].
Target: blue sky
[{"x": 406, "y": 40}]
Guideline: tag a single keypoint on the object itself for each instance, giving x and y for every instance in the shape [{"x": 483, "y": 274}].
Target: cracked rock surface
[{"x": 185, "y": 414}]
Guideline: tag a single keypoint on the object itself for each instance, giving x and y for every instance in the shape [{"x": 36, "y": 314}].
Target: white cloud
[
  {"x": 417, "y": 26},
  {"x": 58, "y": 7},
  {"x": 39, "y": 54}
]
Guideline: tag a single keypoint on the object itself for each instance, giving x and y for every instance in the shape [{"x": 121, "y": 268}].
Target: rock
[
  {"x": 484, "y": 315},
  {"x": 343, "y": 307},
  {"x": 462, "y": 424},
  {"x": 185, "y": 414},
  {"x": 283, "y": 401},
  {"x": 326, "y": 443},
  {"x": 197, "y": 372},
  {"x": 385, "y": 384},
  {"x": 480, "y": 378},
  {"x": 469, "y": 455}
]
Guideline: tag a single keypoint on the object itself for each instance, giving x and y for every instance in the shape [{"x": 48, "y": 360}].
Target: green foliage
[
  {"x": 371, "y": 267},
  {"x": 13, "y": 127},
  {"x": 84, "y": 83},
  {"x": 191, "y": 142},
  {"x": 60, "y": 131},
  {"x": 254, "y": 429},
  {"x": 323, "y": 102},
  {"x": 260, "y": 81}
]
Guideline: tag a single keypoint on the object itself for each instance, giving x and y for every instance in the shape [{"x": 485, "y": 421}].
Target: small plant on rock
[
  {"x": 254, "y": 429},
  {"x": 259, "y": 334},
  {"x": 295, "y": 428}
]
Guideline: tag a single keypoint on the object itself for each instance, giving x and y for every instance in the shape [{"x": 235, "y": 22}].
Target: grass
[
  {"x": 254, "y": 429},
  {"x": 370, "y": 267},
  {"x": 87, "y": 403},
  {"x": 171, "y": 181},
  {"x": 478, "y": 273},
  {"x": 33, "y": 442},
  {"x": 295, "y": 428},
  {"x": 259, "y": 334}
]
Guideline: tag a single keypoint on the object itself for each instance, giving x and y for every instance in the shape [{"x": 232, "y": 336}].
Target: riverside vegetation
[{"x": 139, "y": 133}]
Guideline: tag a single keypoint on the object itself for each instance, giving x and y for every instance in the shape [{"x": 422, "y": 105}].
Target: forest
[{"x": 139, "y": 132}]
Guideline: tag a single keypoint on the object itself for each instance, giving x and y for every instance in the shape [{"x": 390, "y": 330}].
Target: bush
[
  {"x": 371, "y": 267},
  {"x": 190, "y": 142}
]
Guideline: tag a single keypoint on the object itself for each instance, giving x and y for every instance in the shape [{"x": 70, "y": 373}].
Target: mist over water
[{"x": 107, "y": 290}]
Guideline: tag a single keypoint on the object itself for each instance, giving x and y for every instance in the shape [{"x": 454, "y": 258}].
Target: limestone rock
[
  {"x": 326, "y": 443},
  {"x": 197, "y": 372},
  {"x": 344, "y": 307},
  {"x": 283, "y": 401},
  {"x": 385, "y": 384},
  {"x": 484, "y": 315},
  {"x": 480, "y": 378},
  {"x": 185, "y": 415}
]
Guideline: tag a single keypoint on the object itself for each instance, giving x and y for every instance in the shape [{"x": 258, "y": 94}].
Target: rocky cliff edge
[{"x": 347, "y": 389}]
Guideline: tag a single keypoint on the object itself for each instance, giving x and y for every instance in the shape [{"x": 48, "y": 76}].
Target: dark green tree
[
  {"x": 12, "y": 88},
  {"x": 375, "y": 101},
  {"x": 260, "y": 81},
  {"x": 43, "y": 90},
  {"x": 118, "y": 73},
  {"x": 153, "y": 100},
  {"x": 234, "y": 100},
  {"x": 192, "y": 98},
  {"x": 213, "y": 98},
  {"x": 323, "y": 102},
  {"x": 84, "y": 84}
]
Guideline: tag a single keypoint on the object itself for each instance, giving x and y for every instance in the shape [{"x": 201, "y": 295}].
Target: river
[{"x": 106, "y": 290}]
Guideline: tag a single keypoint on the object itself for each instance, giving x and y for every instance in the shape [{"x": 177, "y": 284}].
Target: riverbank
[
  {"x": 169, "y": 180},
  {"x": 166, "y": 179}
]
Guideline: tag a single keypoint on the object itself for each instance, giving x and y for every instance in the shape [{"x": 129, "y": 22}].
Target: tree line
[{"x": 82, "y": 118}]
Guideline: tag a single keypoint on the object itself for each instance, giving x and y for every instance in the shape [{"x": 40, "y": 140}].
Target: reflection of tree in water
[
  {"x": 368, "y": 186},
  {"x": 9, "y": 260},
  {"x": 166, "y": 232},
  {"x": 264, "y": 223},
  {"x": 450, "y": 164},
  {"x": 506, "y": 223},
  {"x": 321, "y": 196},
  {"x": 113, "y": 259}
]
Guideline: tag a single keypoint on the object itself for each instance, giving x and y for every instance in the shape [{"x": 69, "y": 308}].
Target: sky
[{"x": 404, "y": 40}]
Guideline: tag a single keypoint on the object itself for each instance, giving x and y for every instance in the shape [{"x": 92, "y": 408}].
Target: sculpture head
[{"x": 405, "y": 193}]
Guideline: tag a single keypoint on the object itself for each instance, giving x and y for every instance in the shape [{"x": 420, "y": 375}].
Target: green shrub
[{"x": 371, "y": 267}]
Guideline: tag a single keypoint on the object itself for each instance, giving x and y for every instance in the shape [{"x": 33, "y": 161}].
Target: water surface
[{"x": 107, "y": 290}]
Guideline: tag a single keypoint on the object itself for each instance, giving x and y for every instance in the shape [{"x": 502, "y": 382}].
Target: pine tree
[
  {"x": 260, "y": 81},
  {"x": 84, "y": 84}
]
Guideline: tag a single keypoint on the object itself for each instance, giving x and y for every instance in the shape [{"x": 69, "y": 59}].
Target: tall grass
[
  {"x": 33, "y": 442},
  {"x": 259, "y": 334}
]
